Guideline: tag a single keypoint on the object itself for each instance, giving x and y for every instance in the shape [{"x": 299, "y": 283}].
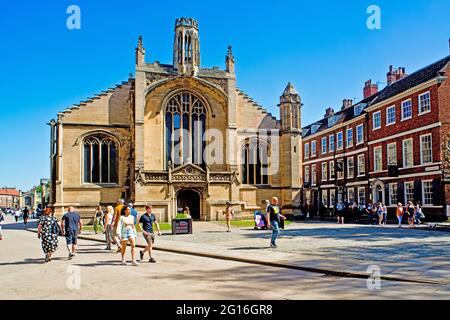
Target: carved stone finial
[{"x": 230, "y": 53}]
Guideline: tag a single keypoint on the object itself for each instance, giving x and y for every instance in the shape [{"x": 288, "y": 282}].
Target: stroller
[{"x": 260, "y": 220}]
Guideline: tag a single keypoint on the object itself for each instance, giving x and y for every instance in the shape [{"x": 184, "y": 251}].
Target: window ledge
[{"x": 422, "y": 113}]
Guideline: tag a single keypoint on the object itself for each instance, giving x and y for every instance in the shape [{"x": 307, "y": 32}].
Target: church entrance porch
[{"x": 191, "y": 199}]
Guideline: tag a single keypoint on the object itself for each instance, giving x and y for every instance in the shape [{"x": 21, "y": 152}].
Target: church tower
[
  {"x": 290, "y": 147},
  {"x": 186, "y": 47}
]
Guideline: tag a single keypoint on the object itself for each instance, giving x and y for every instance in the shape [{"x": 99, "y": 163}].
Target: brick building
[
  {"x": 391, "y": 147},
  {"x": 9, "y": 198}
]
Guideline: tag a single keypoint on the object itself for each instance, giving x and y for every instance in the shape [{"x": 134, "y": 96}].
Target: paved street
[{"x": 178, "y": 276}]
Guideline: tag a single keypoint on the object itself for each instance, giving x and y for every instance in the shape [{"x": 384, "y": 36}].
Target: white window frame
[
  {"x": 348, "y": 194},
  {"x": 420, "y": 104},
  {"x": 395, "y": 153},
  {"x": 307, "y": 150},
  {"x": 342, "y": 140},
  {"x": 359, "y": 198},
  {"x": 342, "y": 173},
  {"x": 332, "y": 146},
  {"x": 322, "y": 145},
  {"x": 431, "y": 148},
  {"x": 324, "y": 172},
  {"x": 424, "y": 203},
  {"x": 403, "y": 152},
  {"x": 307, "y": 174},
  {"x": 313, "y": 143},
  {"x": 332, "y": 198},
  {"x": 325, "y": 197},
  {"x": 361, "y": 156},
  {"x": 349, "y": 145},
  {"x": 332, "y": 170},
  {"x": 387, "y": 116},
  {"x": 405, "y": 196},
  {"x": 374, "y": 122},
  {"x": 402, "y": 109},
  {"x": 375, "y": 169},
  {"x": 358, "y": 142},
  {"x": 393, "y": 203},
  {"x": 350, "y": 176},
  {"x": 313, "y": 175}
]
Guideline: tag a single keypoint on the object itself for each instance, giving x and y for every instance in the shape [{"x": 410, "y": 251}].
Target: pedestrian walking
[
  {"x": 17, "y": 215},
  {"x": 2, "y": 218},
  {"x": 399, "y": 213},
  {"x": 410, "y": 211},
  {"x": 228, "y": 215},
  {"x": 25, "y": 215},
  {"x": 71, "y": 225},
  {"x": 147, "y": 220},
  {"x": 274, "y": 221},
  {"x": 133, "y": 211},
  {"x": 116, "y": 227},
  {"x": 340, "y": 212},
  {"x": 108, "y": 219},
  {"x": 48, "y": 231},
  {"x": 418, "y": 213},
  {"x": 98, "y": 217},
  {"x": 381, "y": 211},
  {"x": 128, "y": 232}
]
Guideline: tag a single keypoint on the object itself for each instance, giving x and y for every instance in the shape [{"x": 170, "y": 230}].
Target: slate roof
[{"x": 423, "y": 75}]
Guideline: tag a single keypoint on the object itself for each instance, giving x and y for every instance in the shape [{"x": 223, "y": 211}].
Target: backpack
[{"x": 56, "y": 229}]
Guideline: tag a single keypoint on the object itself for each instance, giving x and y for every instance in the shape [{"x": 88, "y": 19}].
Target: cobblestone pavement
[{"x": 176, "y": 276}]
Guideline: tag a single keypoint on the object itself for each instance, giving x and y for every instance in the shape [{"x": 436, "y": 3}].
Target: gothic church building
[{"x": 174, "y": 136}]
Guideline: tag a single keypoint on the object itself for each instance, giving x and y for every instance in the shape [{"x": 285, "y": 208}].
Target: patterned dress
[{"x": 49, "y": 238}]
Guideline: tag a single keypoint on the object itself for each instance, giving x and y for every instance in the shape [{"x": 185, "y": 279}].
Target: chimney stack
[
  {"x": 329, "y": 112},
  {"x": 395, "y": 74},
  {"x": 346, "y": 103},
  {"x": 369, "y": 89}
]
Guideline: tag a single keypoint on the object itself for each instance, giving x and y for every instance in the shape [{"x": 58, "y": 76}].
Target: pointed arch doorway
[{"x": 191, "y": 199}]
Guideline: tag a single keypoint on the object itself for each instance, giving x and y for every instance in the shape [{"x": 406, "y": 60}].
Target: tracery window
[
  {"x": 185, "y": 129},
  {"x": 254, "y": 162},
  {"x": 100, "y": 159}
]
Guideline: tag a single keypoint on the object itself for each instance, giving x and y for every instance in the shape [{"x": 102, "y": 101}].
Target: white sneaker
[
  {"x": 135, "y": 263},
  {"x": 124, "y": 263}
]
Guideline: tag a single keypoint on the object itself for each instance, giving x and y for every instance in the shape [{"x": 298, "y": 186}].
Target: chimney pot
[{"x": 369, "y": 89}]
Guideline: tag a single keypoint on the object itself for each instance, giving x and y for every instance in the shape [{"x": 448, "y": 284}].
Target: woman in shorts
[{"x": 128, "y": 232}]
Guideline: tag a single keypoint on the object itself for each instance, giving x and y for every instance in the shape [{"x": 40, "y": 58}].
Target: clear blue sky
[{"x": 323, "y": 47}]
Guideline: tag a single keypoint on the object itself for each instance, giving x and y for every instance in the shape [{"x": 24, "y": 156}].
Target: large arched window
[
  {"x": 185, "y": 129},
  {"x": 100, "y": 159},
  {"x": 254, "y": 162}
]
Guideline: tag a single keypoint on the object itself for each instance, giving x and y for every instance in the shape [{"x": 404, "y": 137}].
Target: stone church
[{"x": 177, "y": 135}]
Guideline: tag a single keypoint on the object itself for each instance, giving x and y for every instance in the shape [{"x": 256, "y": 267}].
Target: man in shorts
[
  {"x": 71, "y": 225},
  {"x": 146, "y": 221}
]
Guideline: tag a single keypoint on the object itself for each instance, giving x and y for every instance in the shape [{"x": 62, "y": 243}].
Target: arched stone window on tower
[
  {"x": 180, "y": 47},
  {"x": 100, "y": 155},
  {"x": 188, "y": 48},
  {"x": 185, "y": 129},
  {"x": 255, "y": 162}
]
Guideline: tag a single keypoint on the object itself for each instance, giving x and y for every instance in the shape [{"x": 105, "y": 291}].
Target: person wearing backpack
[{"x": 274, "y": 221}]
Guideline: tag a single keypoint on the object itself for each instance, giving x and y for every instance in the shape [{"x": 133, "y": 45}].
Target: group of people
[
  {"x": 413, "y": 212},
  {"x": 119, "y": 228},
  {"x": 377, "y": 212},
  {"x": 272, "y": 217}
]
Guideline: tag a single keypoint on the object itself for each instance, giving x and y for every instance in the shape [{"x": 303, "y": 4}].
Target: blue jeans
[{"x": 275, "y": 232}]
